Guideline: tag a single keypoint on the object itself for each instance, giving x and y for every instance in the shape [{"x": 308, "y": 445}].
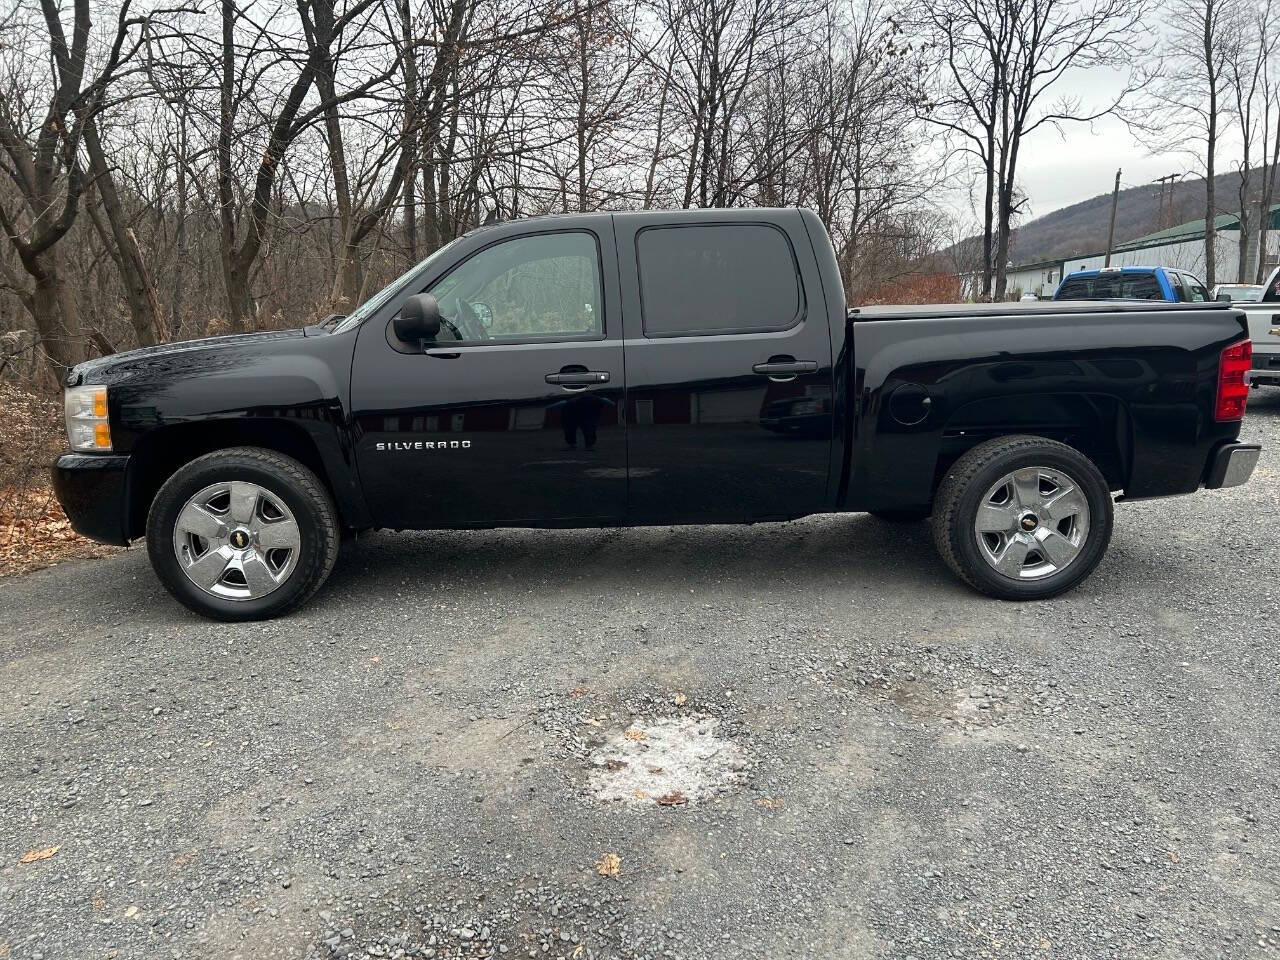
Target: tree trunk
[
  {"x": 240, "y": 310},
  {"x": 988, "y": 215},
  {"x": 1211, "y": 146},
  {"x": 346, "y": 285},
  {"x": 410, "y": 129},
  {"x": 1268, "y": 195},
  {"x": 122, "y": 244},
  {"x": 584, "y": 93},
  {"x": 57, "y": 319},
  {"x": 1002, "y": 242},
  {"x": 180, "y": 238},
  {"x": 235, "y": 284},
  {"x": 1246, "y": 235},
  {"x": 657, "y": 142}
]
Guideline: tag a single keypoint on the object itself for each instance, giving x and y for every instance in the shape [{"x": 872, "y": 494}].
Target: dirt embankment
[{"x": 34, "y": 532}]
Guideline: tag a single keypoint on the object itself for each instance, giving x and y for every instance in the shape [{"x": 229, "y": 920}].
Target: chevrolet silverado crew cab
[{"x": 694, "y": 366}]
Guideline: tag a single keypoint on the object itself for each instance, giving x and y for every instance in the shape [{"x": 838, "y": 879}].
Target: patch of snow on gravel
[{"x": 666, "y": 761}]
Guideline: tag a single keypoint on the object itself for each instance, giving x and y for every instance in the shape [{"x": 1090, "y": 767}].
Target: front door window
[{"x": 545, "y": 287}]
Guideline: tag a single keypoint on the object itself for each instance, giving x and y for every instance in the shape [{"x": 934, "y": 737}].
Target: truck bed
[{"x": 931, "y": 311}]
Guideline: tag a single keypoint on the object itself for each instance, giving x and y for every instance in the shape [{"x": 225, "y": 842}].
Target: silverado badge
[{"x": 425, "y": 445}]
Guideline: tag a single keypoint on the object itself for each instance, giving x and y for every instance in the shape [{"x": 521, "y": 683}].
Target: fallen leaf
[
  {"x": 577, "y": 951},
  {"x": 608, "y": 866},
  {"x": 613, "y": 766},
  {"x": 655, "y": 769},
  {"x": 31, "y": 856},
  {"x": 579, "y": 691},
  {"x": 132, "y": 911},
  {"x": 635, "y": 733},
  {"x": 769, "y": 803},
  {"x": 680, "y": 699},
  {"x": 673, "y": 799},
  {"x": 640, "y": 794}
]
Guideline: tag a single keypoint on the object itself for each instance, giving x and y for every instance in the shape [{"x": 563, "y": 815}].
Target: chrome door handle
[
  {"x": 584, "y": 378},
  {"x": 783, "y": 369},
  {"x": 772, "y": 369}
]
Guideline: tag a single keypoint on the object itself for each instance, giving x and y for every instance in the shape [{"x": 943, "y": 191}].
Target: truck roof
[
  {"x": 673, "y": 214},
  {"x": 1096, "y": 271}
]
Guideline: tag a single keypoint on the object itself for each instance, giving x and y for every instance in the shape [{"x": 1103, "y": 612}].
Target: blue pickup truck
[{"x": 1133, "y": 283}]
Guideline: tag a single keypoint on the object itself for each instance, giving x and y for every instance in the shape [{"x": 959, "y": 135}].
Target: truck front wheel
[
  {"x": 242, "y": 534},
  {"x": 1022, "y": 517}
]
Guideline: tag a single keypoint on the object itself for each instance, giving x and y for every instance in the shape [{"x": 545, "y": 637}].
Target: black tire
[
  {"x": 900, "y": 516},
  {"x": 282, "y": 477},
  {"x": 961, "y": 494}
]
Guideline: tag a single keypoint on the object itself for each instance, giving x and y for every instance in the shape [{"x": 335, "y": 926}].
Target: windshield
[
  {"x": 1242, "y": 293},
  {"x": 376, "y": 302}
]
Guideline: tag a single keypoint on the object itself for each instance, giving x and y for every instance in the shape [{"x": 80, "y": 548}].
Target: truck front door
[
  {"x": 512, "y": 415},
  {"x": 729, "y": 373}
]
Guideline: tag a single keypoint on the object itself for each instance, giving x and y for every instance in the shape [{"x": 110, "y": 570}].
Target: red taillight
[{"x": 1233, "y": 388}]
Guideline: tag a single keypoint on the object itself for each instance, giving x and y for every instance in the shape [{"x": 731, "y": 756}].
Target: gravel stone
[{"x": 904, "y": 775}]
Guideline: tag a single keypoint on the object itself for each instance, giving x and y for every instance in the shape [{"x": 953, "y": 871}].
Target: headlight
[{"x": 87, "y": 426}]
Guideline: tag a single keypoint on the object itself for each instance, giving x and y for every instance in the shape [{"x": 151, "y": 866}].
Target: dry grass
[{"x": 34, "y": 532}]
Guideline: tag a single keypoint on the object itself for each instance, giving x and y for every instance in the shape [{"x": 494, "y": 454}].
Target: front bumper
[
  {"x": 92, "y": 489},
  {"x": 1232, "y": 464}
]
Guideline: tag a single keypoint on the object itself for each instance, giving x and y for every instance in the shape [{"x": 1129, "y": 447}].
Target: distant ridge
[{"x": 1082, "y": 227}]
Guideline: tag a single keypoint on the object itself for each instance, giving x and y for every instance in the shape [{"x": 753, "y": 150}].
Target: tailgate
[{"x": 1264, "y": 327}]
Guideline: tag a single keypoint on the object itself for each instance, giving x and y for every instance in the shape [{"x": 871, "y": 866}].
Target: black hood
[{"x": 91, "y": 370}]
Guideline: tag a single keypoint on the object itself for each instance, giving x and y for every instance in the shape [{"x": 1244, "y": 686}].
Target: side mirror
[
  {"x": 1224, "y": 298},
  {"x": 419, "y": 319}
]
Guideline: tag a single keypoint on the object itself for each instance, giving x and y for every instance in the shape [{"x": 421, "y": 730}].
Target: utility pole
[
  {"x": 1111, "y": 232},
  {"x": 1170, "y": 179}
]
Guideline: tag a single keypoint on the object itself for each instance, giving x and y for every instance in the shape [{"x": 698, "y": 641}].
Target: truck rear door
[{"x": 729, "y": 379}]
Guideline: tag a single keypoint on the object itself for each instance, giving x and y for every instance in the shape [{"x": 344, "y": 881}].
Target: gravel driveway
[{"x": 799, "y": 740}]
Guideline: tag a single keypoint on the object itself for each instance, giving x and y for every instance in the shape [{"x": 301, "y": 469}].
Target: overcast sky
[{"x": 1056, "y": 170}]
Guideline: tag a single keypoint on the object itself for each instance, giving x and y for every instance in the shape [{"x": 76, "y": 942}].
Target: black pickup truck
[{"x": 694, "y": 366}]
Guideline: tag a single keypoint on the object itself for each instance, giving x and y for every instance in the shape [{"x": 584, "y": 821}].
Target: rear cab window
[
  {"x": 1111, "y": 286},
  {"x": 717, "y": 279}
]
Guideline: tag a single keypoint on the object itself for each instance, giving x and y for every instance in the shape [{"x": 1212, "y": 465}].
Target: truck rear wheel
[
  {"x": 1022, "y": 517},
  {"x": 242, "y": 534}
]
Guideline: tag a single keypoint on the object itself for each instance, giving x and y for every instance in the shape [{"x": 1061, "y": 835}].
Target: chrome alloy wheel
[
  {"x": 237, "y": 540},
  {"x": 1032, "y": 523}
]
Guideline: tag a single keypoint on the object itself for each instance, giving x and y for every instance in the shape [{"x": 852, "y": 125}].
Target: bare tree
[
  {"x": 44, "y": 121},
  {"x": 718, "y": 48},
  {"x": 256, "y": 164},
  {"x": 1260, "y": 113},
  {"x": 1245, "y": 69},
  {"x": 994, "y": 71},
  {"x": 1190, "y": 101}
]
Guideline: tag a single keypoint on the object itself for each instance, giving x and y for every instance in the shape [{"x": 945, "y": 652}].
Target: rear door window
[
  {"x": 1193, "y": 291},
  {"x": 716, "y": 279}
]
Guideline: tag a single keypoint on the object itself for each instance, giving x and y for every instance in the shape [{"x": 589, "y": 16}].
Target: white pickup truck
[{"x": 1264, "y": 330}]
